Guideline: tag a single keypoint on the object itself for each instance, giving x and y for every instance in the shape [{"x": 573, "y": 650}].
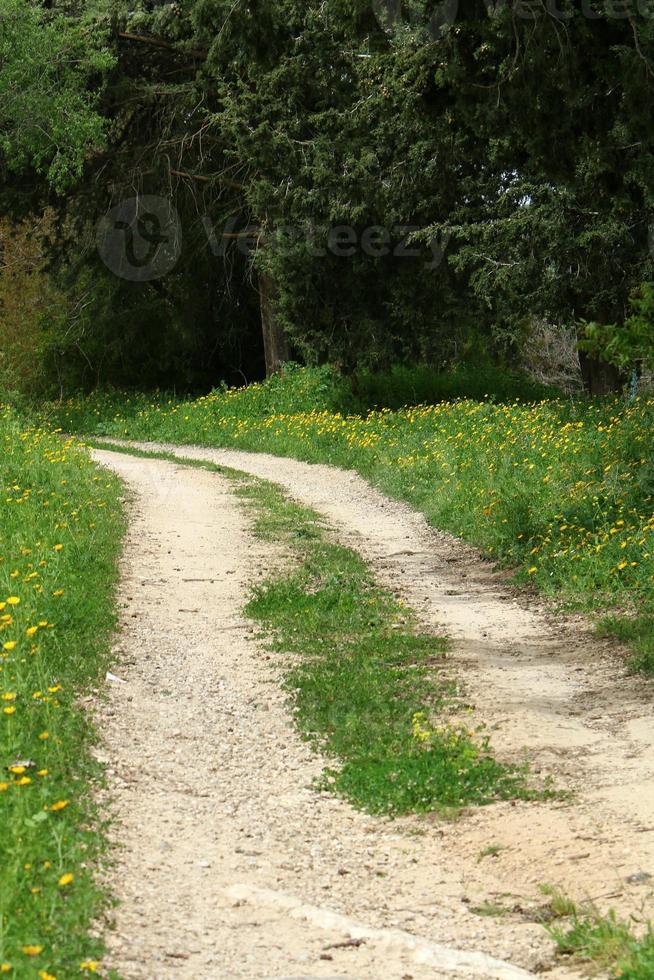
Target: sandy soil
[{"x": 227, "y": 860}]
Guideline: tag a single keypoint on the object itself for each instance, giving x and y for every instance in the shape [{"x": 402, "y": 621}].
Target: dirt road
[{"x": 228, "y": 863}]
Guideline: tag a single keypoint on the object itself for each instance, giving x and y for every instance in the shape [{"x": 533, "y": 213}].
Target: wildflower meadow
[
  {"x": 561, "y": 491},
  {"x": 61, "y": 530}
]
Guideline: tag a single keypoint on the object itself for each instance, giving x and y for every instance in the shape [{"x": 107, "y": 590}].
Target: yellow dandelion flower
[
  {"x": 32, "y": 950},
  {"x": 9, "y": 645},
  {"x": 66, "y": 879},
  {"x": 9, "y": 710},
  {"x": 59, "y": 805},
  {"x": 13, "y": 600}
]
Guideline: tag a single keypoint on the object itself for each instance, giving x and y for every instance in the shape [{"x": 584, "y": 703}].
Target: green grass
[
  {"x": 421, "y": 385},
  {"x": 636, "y": 632},
  {"x": 493, "y": 850},
  {"x": 61, "y": 531},
  {"x": 367, "y": 688},
  {"x": 605, "y": 943},
  {"x": 561, "y": 491}
]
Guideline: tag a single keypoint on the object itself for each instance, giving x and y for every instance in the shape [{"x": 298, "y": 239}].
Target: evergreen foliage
[{"x": 508, "y": 146}]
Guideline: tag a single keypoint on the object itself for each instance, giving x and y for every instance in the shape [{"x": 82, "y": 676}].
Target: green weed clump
[
  {"x": 607, "y": 944},
  {"x": 562, "y": 491},
  {"x": 61, "y": 530}
]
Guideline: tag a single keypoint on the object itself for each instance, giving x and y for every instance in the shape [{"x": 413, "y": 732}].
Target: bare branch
[{"x": 158, "y": 42}]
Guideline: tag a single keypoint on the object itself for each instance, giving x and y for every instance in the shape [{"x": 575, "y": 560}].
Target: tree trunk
[
  {"x": 599, "y": 377},
  {"x": 275, "y": 344}
]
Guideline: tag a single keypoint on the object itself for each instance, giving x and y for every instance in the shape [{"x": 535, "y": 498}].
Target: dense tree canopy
[
  {"x": 392, "y": 181},
  {"x": 49, "y": 120}
]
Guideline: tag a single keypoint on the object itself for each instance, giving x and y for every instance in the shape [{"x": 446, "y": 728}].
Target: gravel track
[{"x": 228, "y": 864}]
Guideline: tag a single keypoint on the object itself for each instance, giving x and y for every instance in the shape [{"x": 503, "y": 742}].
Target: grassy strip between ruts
[
  {"x": 366, "y": 685},
  {"x": 562, "y": 491},
  {"x": 61, "y": 531}
]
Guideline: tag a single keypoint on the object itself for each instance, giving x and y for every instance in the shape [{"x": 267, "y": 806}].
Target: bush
[{"x": 422, "y": 385}]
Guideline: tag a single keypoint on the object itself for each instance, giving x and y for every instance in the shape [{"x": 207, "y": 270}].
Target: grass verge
[
  {"x": 368, "y": 689},
  {"x": 61, "y": 531},
  {"x": 605, "y": 943},
  {"x": 637, "y": 632},
  {"x": 562, "y": 491}
]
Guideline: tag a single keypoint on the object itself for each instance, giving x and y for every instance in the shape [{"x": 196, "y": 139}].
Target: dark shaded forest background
[{"x": 306, "y": 148}]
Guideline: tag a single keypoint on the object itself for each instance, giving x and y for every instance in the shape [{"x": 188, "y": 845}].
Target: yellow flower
[
  {"x": 44, "y": 735},
  {"x": 32, "y": 950},
  {"x": 44, "y": 975},
  {"x": 31, "y": 630},
  {"x": 90, "y": 965},
  {"x": 4, "y": 787},
  {"x": 10, "y": 710},
  {"x": 13, "y": 600},
  {"x": 532, "y": 570},
  {"x": 5, "y": 967},
  {"x": 59, "y": 805},
  {"x": 9, "y": 645},
  {"x": 58, "y": 547},
  {"x": 66, "y": 879}
]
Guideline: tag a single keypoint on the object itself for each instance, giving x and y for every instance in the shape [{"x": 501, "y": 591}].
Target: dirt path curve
[
  {"x": 204, "y": 757},
  {"x": 228, "y": 865}
]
